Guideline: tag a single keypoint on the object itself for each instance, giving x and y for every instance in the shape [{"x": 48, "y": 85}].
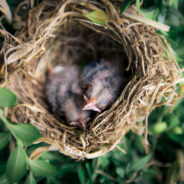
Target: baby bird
[
  {"x": 64, "y": 94},
  {"x": 73, "y": 111},
  {"x": 59, "y": 83},
  {"x": 103, "y": 82}
]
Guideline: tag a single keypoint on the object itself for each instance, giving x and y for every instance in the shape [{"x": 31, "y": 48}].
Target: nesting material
[{"x": 57, "y": 33}]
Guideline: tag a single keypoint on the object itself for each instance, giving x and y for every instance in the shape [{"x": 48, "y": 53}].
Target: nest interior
[{"x": 56, "y": 32}]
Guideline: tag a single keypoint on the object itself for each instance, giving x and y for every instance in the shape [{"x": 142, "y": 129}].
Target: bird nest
[{"x": 57, "y": 32}]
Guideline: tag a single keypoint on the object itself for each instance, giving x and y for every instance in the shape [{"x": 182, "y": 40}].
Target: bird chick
[
  {"x": 64, "y": 94},
  {"x": 103, "y": 81},
  {"x": 91, "y": 70},
  {"x": 74, "y": 113},
  {"x": 59, "y": 82}
]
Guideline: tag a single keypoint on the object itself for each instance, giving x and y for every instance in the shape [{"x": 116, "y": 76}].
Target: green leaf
[
  {"x": 7, "y": 98},
  {"x": 178, "y": 130},
  {"x": 16, "y": 165},
  {"x": 4, "y": 139},
  {"x": 174, "y": 121},
  {"x": 26, "y": 133},
  {"x": 30, "y": 179},
  {"x": 81, "y": 175},
  {"x": 98, "y": 17},
  {"x": 138, "y": 4},
  {"x": 175, "y": 17},
  {"x": 120, "y": 171},
  {"x": 161, "y": 18},
  {"x": 141, "y": 163},
  {"x": 159, "y": 127},
  {"x": 150, "y": 13},
  {"x": 173, "y": 173},
  {"x": 4, "y": 179},
  {"x": 125, "y": 5},
  {"x": 180, "y": 51},
  {"x": 176, "y": 137},
  {"x": 42, "y": 168},
  {"x": 149, "y": 173},
  {"x": 88, "y": 167},
  {"x": 1, "y": 123},
  {"x": 104, "y": 162},
  {"x": 174, "y": 3}
]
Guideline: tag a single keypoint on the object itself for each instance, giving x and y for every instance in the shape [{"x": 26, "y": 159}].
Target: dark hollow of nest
[
  {"x": 58, "y": 33},
  {"x": 80, "y": 45}
]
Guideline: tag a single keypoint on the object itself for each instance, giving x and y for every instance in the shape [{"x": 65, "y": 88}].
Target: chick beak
[{"x": 90, "y": 105}]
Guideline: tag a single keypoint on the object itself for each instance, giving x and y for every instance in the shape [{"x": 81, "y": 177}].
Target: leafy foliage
[
  {"x": 164, "y": 163},
  {"x": 30, "y": 179},
  {"x": 41, "y": 168},
  {"x": 16, "y": 165},
  {"x": 4, "y": 139},
  {"x": 26, "y": 133},
  {"x": 7, "y": 98}
]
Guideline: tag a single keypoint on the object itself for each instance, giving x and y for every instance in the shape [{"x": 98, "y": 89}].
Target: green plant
[
  {"x": 19, "y": 137},
  {"x": 166, "y": 132}
]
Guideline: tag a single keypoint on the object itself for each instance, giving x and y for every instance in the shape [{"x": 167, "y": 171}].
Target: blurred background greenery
[{"x": 165, "y": 162}]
